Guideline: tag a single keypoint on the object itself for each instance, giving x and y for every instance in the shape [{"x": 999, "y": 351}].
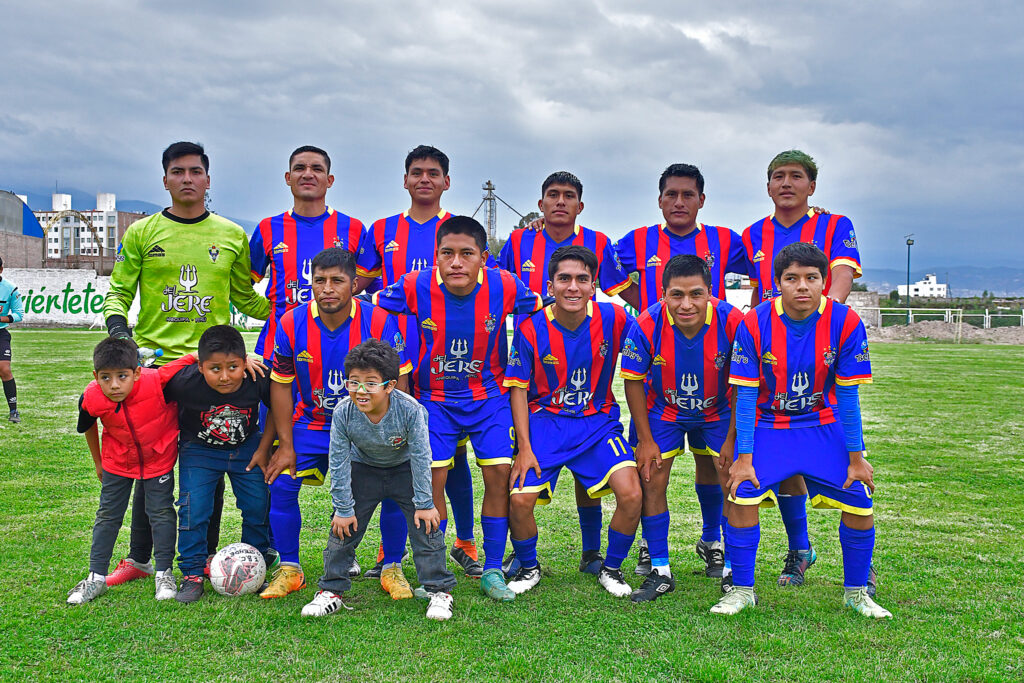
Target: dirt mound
[{"x": 937, "y": 331}]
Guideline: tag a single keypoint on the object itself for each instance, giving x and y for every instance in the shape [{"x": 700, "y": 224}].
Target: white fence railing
[{"x": 879, "y": 317}]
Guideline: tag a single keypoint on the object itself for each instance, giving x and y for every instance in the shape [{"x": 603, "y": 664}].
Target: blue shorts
[
  {"x": 704, "y": 438},
  {"x": 311, "y": 468},
  {"x": 487, "y": 423},
  {"x": 819, "y": 454},
  {"x": 591, "y": 447}
]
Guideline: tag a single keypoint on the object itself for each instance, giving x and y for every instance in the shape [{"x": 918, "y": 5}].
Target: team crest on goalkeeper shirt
[{"x": 214, "y": 253}]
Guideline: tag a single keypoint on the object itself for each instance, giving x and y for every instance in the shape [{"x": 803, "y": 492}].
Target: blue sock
[
  {"x": 495, "y": 532},
  {"x": 858, "y": 547},
  {"x": 710, "y": 498},
  {"x": 286, "y": 517},
  {"x": 655, "y": 530},
  {"x": 618, "y": 548},
  {"x": 590, "y": 527},
  {"x": 743, "y": 549},
  {"x": 393, "y": 531},
  {"x": 794, "y": 515},
  {"x": 526, "y": 551},
  {"x": 459, "y": 487},
  {"x": 725, "y": 542},
  {"x": 444, "y": 525}
]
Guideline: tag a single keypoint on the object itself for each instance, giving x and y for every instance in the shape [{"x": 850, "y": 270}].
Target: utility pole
[{"x": 910, "y": 243}]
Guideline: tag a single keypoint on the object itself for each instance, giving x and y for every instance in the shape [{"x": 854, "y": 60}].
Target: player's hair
[
  {"x": 335, "y": 257},
  {"x": 309, "y": 148},
  {"x": 115, "y": 354},
  {"x": 1, "y": 261},
  {"x": 373, "y": 354},
  {"x": 573, "y": 252},
  {"x": 562, "y": 178},
  {"x": 427, "y": 152},
  {"x": 686, "y": 265},
  {"x": 794, "y": 156},
  {"x": 802, "y": 254},
  {"x": 178, "y": 150},
  {"x": 463, "y": 225},
  {"x": 221, "y": 339},
  {"x": 681, "y": 171}
]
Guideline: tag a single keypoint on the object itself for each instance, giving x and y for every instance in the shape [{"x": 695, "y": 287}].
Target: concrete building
[
  {"x": 21, "y": 237},
  {"x": 929, "y": 287},
  {"x": 84, "y": 239}
]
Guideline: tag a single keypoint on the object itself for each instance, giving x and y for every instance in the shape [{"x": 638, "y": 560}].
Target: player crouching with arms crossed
[
  {"x": 560, "y": 372},
  {"x": 797, "y": 361},
  {"x": 380, "y": 449},
  {"x": 140, "y": 443}
]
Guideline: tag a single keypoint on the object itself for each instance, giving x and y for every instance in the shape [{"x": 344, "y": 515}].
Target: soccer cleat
[
  {"x": 287, "y": 579},
  {"x": 129, "y": 570},
  {"x": 440, "y": 607},
  {"x": 643, "y": 561},
  {"x": 524, "y": 579},
  {"x": 797, "y": 562},
  {"x": 166, "y": 589},
  {"x": 492, "y": 583},
  {"x": 355, "y": 570},
  {"x": 872, "y": 581},
  {"x": 510, "y": 565},
  {"x": 613, "y": 582},
  {"x": 860, "y": 602},
  {"x": 421, "y": 593},
  {"x": 713, "y": 554},
  {"x": 14, "y": 417},
  {"x": 191, "y": 589},
  {"x": 653, "y": 587},
  {"x": 727, "y": 582},
  {"x": 392, "y": 580},
  {"x": 471, "y": 567},
  {"x": 736, "y": 600},
  {"x": 374, "y": 571},
  {"x": 591, "y": 561},
  {"x": 322, "y": 604},
  {"x": 87, "y": 589},
  {"x": 273, "y": 560}
]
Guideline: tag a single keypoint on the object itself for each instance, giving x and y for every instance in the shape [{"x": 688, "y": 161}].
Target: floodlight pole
[{"x": 910, "y": 243}]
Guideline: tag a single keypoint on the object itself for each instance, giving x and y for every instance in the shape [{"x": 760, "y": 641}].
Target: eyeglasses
[{"x": 369, "y": 387}]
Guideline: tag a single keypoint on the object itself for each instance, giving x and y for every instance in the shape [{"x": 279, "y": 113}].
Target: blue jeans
[{"x": 199, "y": 469}]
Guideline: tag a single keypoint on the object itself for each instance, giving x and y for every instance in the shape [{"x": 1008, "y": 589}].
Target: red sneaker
[
  {"x": 129, "y": 570},
  {"x": 206, "y": 570}
]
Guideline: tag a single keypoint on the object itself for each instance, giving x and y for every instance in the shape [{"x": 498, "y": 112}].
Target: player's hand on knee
[
  {"x": 343, "y": 527},
  {"x": 260, "y": 459},
  {"x": 284, "y": 459},
  {"x": 860, "y": 470},
  {"x": 647, "y": 454},
  {"x": 431, "y": 520},
  {"x": 740, "y": 472},
  {"x": 254, "y": 365},
  {"x": 524, "y": 462}
]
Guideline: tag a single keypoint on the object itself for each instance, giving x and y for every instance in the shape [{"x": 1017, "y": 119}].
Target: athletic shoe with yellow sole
[
  {"x": 287, "y": 579},
  {"x": 392, "y": 580}
]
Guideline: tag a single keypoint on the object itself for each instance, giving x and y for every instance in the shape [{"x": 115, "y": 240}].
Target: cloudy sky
[{"x": 910, "y": 107}]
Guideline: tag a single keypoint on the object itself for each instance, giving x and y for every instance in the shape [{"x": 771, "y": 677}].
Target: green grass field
[{"x": 944, "y": 434}]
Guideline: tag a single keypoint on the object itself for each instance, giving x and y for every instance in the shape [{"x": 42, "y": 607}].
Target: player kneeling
[
  {"x": 797, "y": 361},
  {"x": 380, "y": 449},
  {"x": 560, "y": 372}
]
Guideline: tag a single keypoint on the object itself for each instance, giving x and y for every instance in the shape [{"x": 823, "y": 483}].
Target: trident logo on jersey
[
  {"x": 454, "y": 362},
  {"x": 797, "y": 401},
  {"x": 187, "y": 299},
  {"x": 419, "y": 264},
  {"x": 576, "y": 398},
  {"x": 299, "y": 294},
  {"x": 327, "y": 398},
  {"x": 689, "y": 384}
]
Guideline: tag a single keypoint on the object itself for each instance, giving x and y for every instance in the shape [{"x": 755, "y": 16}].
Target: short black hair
[
  {"x": 427, "y": 152},
  {"x": 573, "y": 252},
  {"x": 562, "y": 178},
  {"x": 335, "y": 257},
  {"x": 309, "y": 148},
  {"x": 1, "y": 261},
  {"x": 681, "y": 171},
  {"x": 221, "y": 339},
  {"x": 802, "y": 254},
  {"x": 463, "y": 225},
  {"x": 115, "y": 353},
  {"x": 373, "y": 354},
  {"x": 178, "y": 150},
  {"x": 685, "y": 265}
]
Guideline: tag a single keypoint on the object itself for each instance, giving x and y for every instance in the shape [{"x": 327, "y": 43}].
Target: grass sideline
[{"x": 944, "y": 432}]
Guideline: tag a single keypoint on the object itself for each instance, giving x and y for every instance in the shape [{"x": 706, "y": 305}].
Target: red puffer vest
[{"x": 140, "y": 434}]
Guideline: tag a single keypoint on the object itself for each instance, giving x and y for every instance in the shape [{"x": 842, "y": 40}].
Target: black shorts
[{"x": 5, "y": 345}]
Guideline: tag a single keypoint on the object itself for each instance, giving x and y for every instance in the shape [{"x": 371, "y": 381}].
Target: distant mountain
[{"x": 962, "y": 280}]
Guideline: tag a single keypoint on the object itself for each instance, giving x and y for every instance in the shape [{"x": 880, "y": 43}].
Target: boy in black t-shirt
[{"x": 218, "y": 409}]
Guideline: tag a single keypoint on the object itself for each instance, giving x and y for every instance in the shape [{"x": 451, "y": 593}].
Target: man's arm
[
  {"x": 124, "y": 280},
  {"x": 647, "y": 451},
  {"x": 340, "y": 466},
  {"x": 842, "y": 282},
  {"x": 281, "y": 408},
  {"x": 363, "y": 282},
  {"x": 525, "y": 459},
  {"x": 16, "y": 310},
  {"x": 631, "y": 295},
  {"x": 243, "y": 296},
  {"x": 92, "y": 437}
]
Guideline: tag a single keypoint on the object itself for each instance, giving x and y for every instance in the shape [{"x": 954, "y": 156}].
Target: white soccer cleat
[
  {"x": 89, "y": 588},
  {"x": 613, "y": 582},
  {"x": 735, "y": 601},
  {"x": 166, "y": 588},
  {"x": 440, "y": 607},
  {"x": 860, "y": 602},
  {"x": 323, "y": 603},
  {"x": 524, "y": 579}
]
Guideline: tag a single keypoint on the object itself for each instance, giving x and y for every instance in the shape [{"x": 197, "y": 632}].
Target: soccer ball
[{"x": 237, "y": 569}]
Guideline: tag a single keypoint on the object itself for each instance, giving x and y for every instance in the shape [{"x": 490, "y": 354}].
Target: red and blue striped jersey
[
  {"x": 831, "y": 233},
  {"x": 647, "y": 251},
  {"x": 282, "y": 248},
  {"x": 463, "y": 346},
  {"x": 684, "y": 379},
  {"x": 796, "y": 365},
  {"x": 313, "y": 357},
  {"x": 398, "y": 245},
  {"x": 569, "y": 372}
]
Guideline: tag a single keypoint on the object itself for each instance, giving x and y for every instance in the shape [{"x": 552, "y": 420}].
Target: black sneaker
[
  {"x": 470, "y": 567},
  {"x": 14, "y": 417},
  {"x": 524, "y": 579},
  {"x": 643, "y": 561},
  {"x": 591, "y": 561},
  {"x": 653, "y": 587},
  {"x": 191, "y": 589},
  {"x": 374, "y": 571},
  {"x": 727, "y": 583},
  {"x": 510, "y": 565},
  {"x": 713, "y": 554},
  {"x": 797, "y": 562},
  {"x": 872, "y": 581}
]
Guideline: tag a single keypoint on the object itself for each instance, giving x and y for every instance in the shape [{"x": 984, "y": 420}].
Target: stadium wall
[
  {"x": 20, "y": 251},
  {"x": 62, "y": 297}
]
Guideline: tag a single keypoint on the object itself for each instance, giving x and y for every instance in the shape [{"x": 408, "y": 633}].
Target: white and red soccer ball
[{"x": 237, "y": 569}]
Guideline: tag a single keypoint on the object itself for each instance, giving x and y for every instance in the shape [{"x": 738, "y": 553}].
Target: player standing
[{"x": 11, "y": 311}]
